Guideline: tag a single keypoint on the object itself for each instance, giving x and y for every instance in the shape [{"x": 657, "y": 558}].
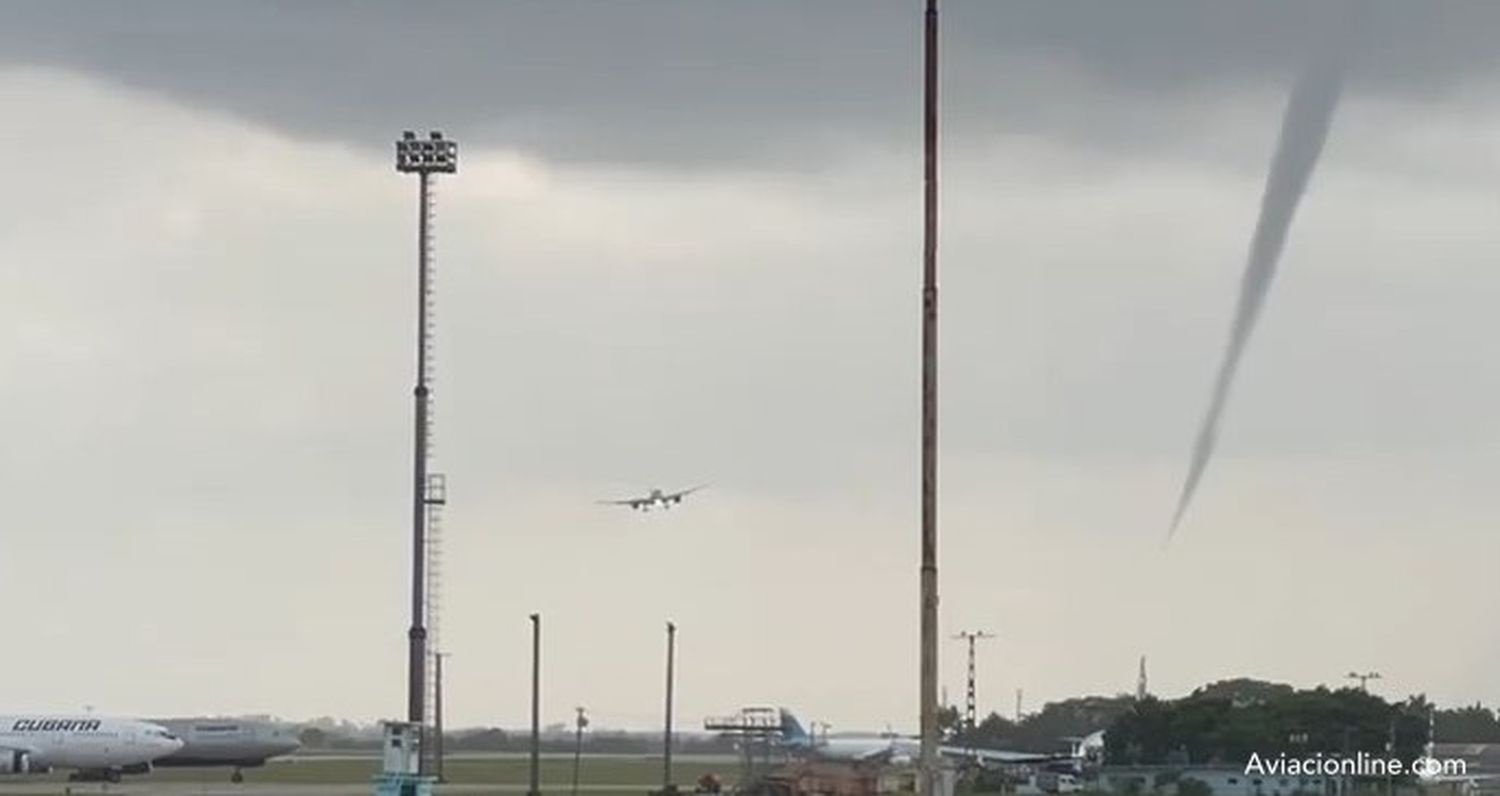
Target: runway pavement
[{"x": 261, "y": 789}]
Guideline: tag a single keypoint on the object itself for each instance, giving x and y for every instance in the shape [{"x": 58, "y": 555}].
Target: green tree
[
  {"x": 1245, "y": 691},
  {"x": 1227, "y": 721},
  {"x": 1473, "y": 724}
]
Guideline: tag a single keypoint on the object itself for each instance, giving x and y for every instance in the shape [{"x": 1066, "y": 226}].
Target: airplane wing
[
  {"x": 883, "y": 754},
  {"x": 634, "y": 503},
  {"x": 1451, "y": 778},
  {"x": 678, "y": 496}
]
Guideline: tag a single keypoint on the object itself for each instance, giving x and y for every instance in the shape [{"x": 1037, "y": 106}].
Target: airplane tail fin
[
  {"x": 1088, "y": 746},
  {"x": 791, "y": 729}
]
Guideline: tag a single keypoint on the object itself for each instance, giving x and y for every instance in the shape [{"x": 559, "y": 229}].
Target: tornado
[{"x": 1304, "y": 128}]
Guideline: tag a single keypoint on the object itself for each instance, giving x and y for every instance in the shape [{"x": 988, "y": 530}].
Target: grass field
[{"x": 555, "y": 773}]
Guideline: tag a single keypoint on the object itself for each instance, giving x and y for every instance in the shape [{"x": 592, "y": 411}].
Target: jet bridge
[{"x": 757, "y": 731}]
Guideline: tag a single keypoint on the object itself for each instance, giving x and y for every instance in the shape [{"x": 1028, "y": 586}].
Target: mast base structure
[{"x": 401, "y": 760}]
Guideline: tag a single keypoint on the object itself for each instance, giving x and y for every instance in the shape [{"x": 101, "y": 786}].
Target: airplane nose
[{"x": 284, "y": 743}]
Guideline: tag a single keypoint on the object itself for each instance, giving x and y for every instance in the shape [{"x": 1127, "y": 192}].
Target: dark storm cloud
[{"x": 727, "y": 83}]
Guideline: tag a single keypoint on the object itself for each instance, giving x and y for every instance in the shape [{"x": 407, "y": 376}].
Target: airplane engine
[
  {"x": 138, "y": 768},
  {"x": 14, "y": 761}
]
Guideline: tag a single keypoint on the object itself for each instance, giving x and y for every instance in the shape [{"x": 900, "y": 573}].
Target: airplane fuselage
[
  {"x": 854, "y": 748},
  {"x": 656, "y": 497},
  {"x": 891, "y": 748},
  {"x": 227, "y": 742},
  {"x": 32, "y": 741}
]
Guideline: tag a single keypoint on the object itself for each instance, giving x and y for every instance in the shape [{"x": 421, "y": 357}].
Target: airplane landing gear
[
  {"x": 237, "y": 777},
  {"x": 95, "y": 775}
]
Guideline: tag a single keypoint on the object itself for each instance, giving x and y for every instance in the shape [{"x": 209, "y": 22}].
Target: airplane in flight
[
  {"x": 890, "y": 748},
  {"x": 96, "y": 746},
  {"x": 655, "y": 498},
  {"x": 236, "y": 743}
]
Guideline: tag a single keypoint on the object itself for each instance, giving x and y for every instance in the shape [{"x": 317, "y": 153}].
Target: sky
[{"x": 683, "y": 247}]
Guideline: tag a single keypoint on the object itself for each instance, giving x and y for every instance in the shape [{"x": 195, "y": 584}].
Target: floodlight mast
[{"x": 423, "y": 157}]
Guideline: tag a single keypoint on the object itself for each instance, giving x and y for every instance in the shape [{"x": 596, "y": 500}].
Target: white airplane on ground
[
  {"x": 892, "y": 748},
  {"x": 1452, "y": 771},
  {"x": 229, "y": 743},
  {"x": 95, "y": 745},
  {"x": 655, "y": 498}
]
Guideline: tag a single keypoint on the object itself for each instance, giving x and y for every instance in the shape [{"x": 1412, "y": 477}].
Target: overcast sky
[{"x": 682, "y": 247}]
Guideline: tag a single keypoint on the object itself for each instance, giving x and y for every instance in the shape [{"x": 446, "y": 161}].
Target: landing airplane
[
  {"x": 96, "y": 746},
  {"x": 655, "y": 498},
  {"x": 897, "y": 749},
  {"x": 228, "y": 743}
]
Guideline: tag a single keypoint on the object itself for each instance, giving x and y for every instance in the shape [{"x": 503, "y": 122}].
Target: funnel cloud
[{"x": 1304, "y": 128}]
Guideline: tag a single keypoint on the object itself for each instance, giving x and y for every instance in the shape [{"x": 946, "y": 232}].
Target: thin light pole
[
  {"x": 579, "y": 723},
  {"x": 1390, "y": 753},
  {"x": 1363, "y": 678},
  {"x": 536, "y": 706},
  {"x": 666, "y": 776},
  {"x": 437, "y": 711},
  {"x": 929, "y": 617}
]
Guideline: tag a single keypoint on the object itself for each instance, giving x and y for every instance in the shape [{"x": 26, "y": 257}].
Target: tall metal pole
[
  {"x": 417, "y": 635},
  {"x": 666, "y": 777},
  {"x": 929, "y": 662},
  {"x": 971, "y": 697},
  {"x": 536, "y": 709},
  {"x": 971, "y": 700},
  {"x": 1364, "y": 679},
  {"x": 423, "y": 157}
]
